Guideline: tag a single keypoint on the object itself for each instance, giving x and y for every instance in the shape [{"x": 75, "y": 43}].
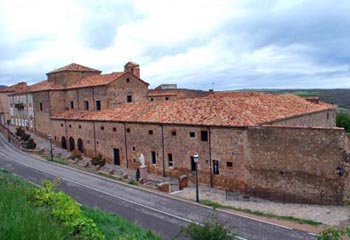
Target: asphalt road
[{"x": 161, "y": 213}]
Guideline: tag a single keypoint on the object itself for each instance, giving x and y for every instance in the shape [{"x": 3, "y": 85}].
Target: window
[
  {"x": 69, "y": 126},
  {"x": 204, "y": 136},
  {"x": 41, "y": 106},
  {"x": 128, "y": 80},
  {"x": 102, "y": 128},
  {"x": 150, "y": 132},
  {"x": 166, "y": 98},
  {"x": 98, "y": 105},
  {"x": 192, "y": 134},
  {"x": 79, "y": 126},
  {"x": 170, "y": 160},
  {"x": 129, "y": 98},
  {"x": 128, "y": 130},
  {"x": 133, "y": 148},
  {"x": 114, "y": 129},
  {"x": 71, "y": 105},
  {"x": 216, "y": 167},
  {"x": 151, "y": 99},
  {"x": 229, "y": 164},
  {"x": 154, "y": 157},
  {"x": 86, "y": 105},
  {"x": 61, "y": 124},
  {"x": 173, "y": 133}
]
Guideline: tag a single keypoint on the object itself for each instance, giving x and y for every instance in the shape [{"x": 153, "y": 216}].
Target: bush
[
  {"x": 20, "y": 132},
  {"x": 66, "y": 210},
  {"x": 343, "y": 120},
  {"x": 76, "y": 154},
  {"x": 25, "y": 137},
  {"x": 332, "y": 233},
  {"x": 98, "y": 160},
  {"x": 30, "y": 144},
  {"x": 211, "y": 230}
]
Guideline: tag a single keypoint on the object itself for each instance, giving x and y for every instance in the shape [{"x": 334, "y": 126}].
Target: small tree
[
  {"x": 343, "y": 120},
  {"x": 98, "y": 160},
  {"x": 30, "y": 144},
  {"x": 20, "y": 132},
  {"x": 76, "y": 154}
]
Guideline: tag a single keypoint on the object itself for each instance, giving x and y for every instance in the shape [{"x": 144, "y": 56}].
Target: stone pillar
[{"x": 143, "y": 173}]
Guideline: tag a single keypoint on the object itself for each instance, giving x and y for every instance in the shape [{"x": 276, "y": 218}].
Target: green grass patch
[
  {"x": 56, "y": 159},
  {"x": 132, "y": 182},
  {"x": 20, "y": 219},
  {"x": 116, "y": 227},
  {"x": 259, "y": 213}
]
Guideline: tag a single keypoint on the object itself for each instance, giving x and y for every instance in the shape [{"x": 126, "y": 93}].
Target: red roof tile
[
  {"x": 73, "y": 67},
  {"x": 15, "y": 88},
  {"x": 96, "y": 80},
  {"x": 219, "y": 109},
  {"x": 44, "y": 86}
]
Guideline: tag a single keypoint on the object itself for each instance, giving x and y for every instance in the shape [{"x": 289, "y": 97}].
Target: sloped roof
[
  {"x": 218, "y": 109},
  {"x": 15, "y": 88},
  {"x": 73, "y": 67},
  {"x": 96, "y": 80},
  {"x": 179, "y": 92}
]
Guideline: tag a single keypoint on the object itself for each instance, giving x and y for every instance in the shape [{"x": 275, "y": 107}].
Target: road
[{"x": 162, "y": 214}]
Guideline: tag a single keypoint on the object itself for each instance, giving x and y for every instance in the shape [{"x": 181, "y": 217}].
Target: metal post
[
  {"x": 196, "y": 160},
  {"x": 197, "y": 192}
]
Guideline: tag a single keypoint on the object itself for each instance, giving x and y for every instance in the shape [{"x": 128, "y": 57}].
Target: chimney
[
  {"x": 133, "y": 68},
  {"x": 314, "y": 100}
]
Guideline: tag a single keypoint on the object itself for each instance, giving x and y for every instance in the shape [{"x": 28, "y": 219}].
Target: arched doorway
[
  {"x": 80, "y": 145},
  {"x": 63, "y": 143},
  {"x": 71, "y": 144}
]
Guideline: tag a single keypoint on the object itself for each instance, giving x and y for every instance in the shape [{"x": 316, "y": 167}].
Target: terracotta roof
[
  {"x": 43, "y": 86},
  {"x": 15, "y": 88},
  {"x": 73, "y": 67},
  {"x": 96, "y": 80},
  {"x": 219, "y": 109},
  {"x": 180, "y": 93}
]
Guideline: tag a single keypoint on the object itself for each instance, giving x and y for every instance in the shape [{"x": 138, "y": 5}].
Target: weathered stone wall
[
  {"x": 42, "y": 117},
  {"x": 325, "y": 119},
  {"x": 297, "y": 161}
]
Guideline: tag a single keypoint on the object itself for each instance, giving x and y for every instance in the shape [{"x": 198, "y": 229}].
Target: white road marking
[
  {"x": 312, "y": 234},
  {"x": 240, "y": 238}
]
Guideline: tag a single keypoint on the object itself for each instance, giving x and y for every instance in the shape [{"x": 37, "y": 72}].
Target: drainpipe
[
  {"x": 163, "y": 160},
  {"x": 126, "y": 147},
  {"x": 210, "y": 160},
  {"x": 94, "y": 137}
]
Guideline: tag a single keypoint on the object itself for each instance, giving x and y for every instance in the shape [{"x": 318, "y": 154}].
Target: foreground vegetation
[{"x": 31, "y": 213}]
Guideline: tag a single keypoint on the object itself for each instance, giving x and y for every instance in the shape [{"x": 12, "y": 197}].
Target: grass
[
  {"x": 56, "y": 159},
  {"x": 112, "y": 226},
  {"x": 259, "y": 213},
  {"x": 20, "y": 219}
]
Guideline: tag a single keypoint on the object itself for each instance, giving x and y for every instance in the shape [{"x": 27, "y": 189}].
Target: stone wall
[
  {"x": 299, "y": 162},
  {"x": 325, "y": 119}
]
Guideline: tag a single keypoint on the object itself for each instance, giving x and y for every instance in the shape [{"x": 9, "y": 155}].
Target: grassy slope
[{"x": 19, "y": 219}]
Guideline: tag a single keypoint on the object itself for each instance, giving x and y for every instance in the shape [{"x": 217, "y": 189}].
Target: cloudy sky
[{"x": 227, "y": 44}]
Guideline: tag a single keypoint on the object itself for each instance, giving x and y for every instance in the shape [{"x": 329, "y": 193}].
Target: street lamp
[
  {"x": 196, "y": 159},
  {"x": 8, "y": 131},
  {"x": 51, "y": 153}
]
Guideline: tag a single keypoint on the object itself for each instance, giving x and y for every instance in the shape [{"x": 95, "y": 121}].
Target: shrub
[
  {"x": 343, "y": 120},
  {"x": 211, "y": 230},
  {"x": 20, "y": 132},
  {"x": 98, "y": 160},
  {"x": 30, "y": 144},
  {"x": 25, "y": 137},
  {"x": 332, "y": 233},
  {"x": 76, "y": 154}
]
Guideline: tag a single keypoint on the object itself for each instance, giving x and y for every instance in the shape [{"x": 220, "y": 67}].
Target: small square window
[
  {"x": 79, "y": 126},
  {"x": 192, "y": 134},
  {"x": 204, "y": 136},
  {"x": 97, "y": 142},
  {"x": 150, "y": 132},
  {"x": 102, "y": 128},
  {"x": 229, "y": 164},
  {"x": 128, "y": 130},
  {"x": 114, "y": 129},
  {"x": 133, "y": 148},
  {"x": 166, "y": 98},
  {"x": 128, "y": 80},
  {"x": 61, "y": 124},
  {"x": 151, "y": 99},
  {"x": 173, "y": 133},
  {"x": 69, "y": 126}
]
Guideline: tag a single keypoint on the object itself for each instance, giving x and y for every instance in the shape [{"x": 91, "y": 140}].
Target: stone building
[
  {"x": 76, "y": 87},
  {"x": 5, "y": 106},
  {"x": 251, "y": 142},
  {"x": 21, "y": 109}
]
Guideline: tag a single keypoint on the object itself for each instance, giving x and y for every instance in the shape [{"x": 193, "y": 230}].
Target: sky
[{"x": 220, "y": 44}]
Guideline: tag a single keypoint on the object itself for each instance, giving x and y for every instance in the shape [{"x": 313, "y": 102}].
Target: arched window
[
  {"x": 71, "y": 144},
  {"x": 63, "y": 143},
  {"x": 80, "y": 145}
]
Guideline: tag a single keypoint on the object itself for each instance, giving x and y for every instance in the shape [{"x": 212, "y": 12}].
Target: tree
[
  {"x": 211, "y": 230},
  {"x": 343, "y": 120}
]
